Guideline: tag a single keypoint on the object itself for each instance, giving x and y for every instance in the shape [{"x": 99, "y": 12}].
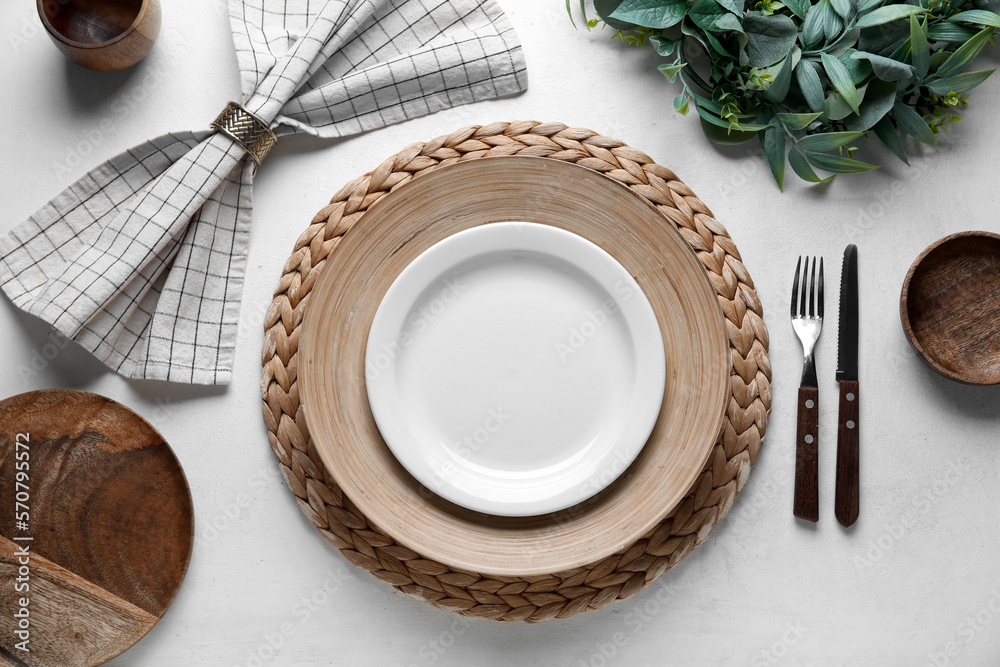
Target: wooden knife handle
[
  {"x": 806, "y": 459},
  {"x": 847, "y": 506}
]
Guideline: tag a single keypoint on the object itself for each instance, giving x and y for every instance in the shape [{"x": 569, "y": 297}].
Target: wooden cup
[{"x": 103, "y": 35}]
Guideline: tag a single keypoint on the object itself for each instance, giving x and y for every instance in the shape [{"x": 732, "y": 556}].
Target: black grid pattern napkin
[{"x": 142, "y": 260}]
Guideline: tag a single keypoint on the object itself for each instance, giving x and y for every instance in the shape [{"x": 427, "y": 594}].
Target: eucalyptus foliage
[{"x": 808, "y": 79}]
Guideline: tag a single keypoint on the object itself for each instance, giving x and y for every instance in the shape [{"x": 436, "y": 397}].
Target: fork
[{"x": 807, "y": 323}]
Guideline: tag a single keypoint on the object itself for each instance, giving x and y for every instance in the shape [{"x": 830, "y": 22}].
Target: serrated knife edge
[{"x": 847, "y": 329}]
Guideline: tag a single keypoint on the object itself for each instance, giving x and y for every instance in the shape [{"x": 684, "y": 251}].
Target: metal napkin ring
[{"x": 246, "y": 129}]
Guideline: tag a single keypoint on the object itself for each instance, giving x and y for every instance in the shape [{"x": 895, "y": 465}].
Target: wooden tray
[
  {"x": 431, "y": 208},
  {"x": 109, "y": 532},
  {"x": 519, "y": 597}
]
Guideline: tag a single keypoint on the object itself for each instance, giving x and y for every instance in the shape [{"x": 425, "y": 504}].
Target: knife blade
[{"x": 847, "y": 501}]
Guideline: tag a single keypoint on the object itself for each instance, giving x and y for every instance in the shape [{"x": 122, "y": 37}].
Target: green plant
[{"x": 809, "y": 79}]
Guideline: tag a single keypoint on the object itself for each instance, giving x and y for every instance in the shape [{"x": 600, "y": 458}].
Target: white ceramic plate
[{"x": 515, "y": 368}]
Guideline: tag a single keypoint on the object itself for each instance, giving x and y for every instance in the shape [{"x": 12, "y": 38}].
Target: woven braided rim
[{"x": 556, "y": 595}]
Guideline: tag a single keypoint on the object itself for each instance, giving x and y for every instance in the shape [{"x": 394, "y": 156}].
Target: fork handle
[
  {"x": 847, "y": 503},
  {"x": 806, "y": 458}
]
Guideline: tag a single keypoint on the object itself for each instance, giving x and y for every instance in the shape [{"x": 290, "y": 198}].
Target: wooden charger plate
[
  {"x": 416, "y": 216},
  {"x": 109, "y": 527}
]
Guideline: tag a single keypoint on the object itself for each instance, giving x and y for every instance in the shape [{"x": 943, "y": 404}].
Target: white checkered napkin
[{"x": 142, "y": 260}]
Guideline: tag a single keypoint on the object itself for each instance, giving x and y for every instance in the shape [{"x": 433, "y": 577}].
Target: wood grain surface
[
  {"x": 103, "y": 35},
  {"x": 847, "y": 502},
  {"x": 464, "y": 195},
  {"x": 951, "y": 310},
  {"x": 111, "y": 526},
  {"x": 77, "y": 622},
  {"x": 806, "y": 500}
]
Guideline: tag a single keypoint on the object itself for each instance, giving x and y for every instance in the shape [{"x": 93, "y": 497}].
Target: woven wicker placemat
[{"x": 556, "y": 595}]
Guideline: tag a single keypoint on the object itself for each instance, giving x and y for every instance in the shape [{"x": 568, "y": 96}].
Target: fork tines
[{"x": 811, "y": 288}]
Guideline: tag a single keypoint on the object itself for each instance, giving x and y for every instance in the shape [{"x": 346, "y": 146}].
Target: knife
[{"x": 846, "y": 505}]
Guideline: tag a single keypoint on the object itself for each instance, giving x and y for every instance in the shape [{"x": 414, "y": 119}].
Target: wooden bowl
[
  {"x": 466, "y": 194},
  {"x": 103, "y": 35},
  {"x": 950, "y": 307}
]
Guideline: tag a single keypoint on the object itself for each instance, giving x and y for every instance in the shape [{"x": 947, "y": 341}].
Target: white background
[{"x": 911, "y": 576}]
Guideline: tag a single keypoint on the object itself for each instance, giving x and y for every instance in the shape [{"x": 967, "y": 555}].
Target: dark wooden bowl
[
  {"x": 103, "y": 35},
  {"x": 950, "y": 307}
]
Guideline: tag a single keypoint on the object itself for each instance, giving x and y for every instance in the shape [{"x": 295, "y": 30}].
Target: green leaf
[
  {"x": 949, "y": 32},
  {"x": 769, "y": 38},
  {"x": 909, "y": 121},
  {"x": 865, "y": 6},
  {"x": 844, "y": 43},
  {"x": 838, "y": 164},
  {"x": 842, "y": 7},
  {"x": 735, "y": 6},
  {"x": 708, "y": 105},
  {"x": 799, "y": 7},
  {"x": 920, "y": 51},
  {"x": 778, "y": 89},
  {"x": 657, "y": 14},
  {"x": 859, "y": 68},
  {"x": 813, "y": 28},
  {"x": 704, "y": 14},
  {"x": 884, "y": 39},
  {"x": 717, "y": 45},
  {"x": 959, "y": 83},
  {"x": 569, "y": 10},
  {"x": 989, "y": 5},
  {"x": 711, "y": 118},
  {"x": 887, "y": 14},
  {"x": 809, "y": 84},
  {"x": 741, "y": 44},
  {"x": 664, "y": 45},
  {"x": 887, "y": 134},
  {"x": 772, "y": 140},
  {"x": 965, "y": 54},
  {"x": 723, "y": 136},
  {"x": 670, "y": 71},
  {"x": 802, "y": 168},
  {"x": 938, "y": 58},
  {"x": 980, "y": 16},
  {"x": 902, "y": 53},
  {"x": 841, "y": 80},
  {"x": 826, "y": 141},
  {"x": 797, "y": 121},
  {"x": 605, "y": 8},
  {"x": 729, "y": 22},
  {"x": 836, "y": 107},
  {"x": 879, "y": 98},
  {"x": 681, "y": 104},
  {"x": 886, "y": 69},
  {"x": 832, "y": 23}
]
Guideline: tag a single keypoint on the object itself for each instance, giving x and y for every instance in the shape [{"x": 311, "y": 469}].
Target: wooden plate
[
  {"x": 950, "y": 307},
  {"x": 463, "y": 195},
  {"x": 109, "y": 527}
]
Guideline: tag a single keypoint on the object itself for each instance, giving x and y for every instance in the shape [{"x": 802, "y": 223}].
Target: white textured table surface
[{"x": 915, "y": 582}]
